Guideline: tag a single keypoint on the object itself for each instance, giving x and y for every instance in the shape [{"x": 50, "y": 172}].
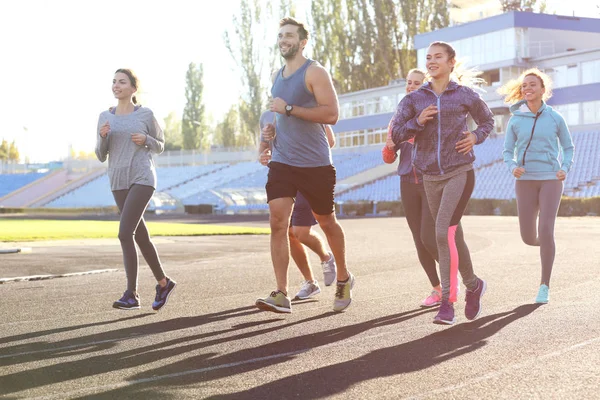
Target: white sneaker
[
  {"x": 329, "y": 270},
  {"x": 308, "y": 290}
]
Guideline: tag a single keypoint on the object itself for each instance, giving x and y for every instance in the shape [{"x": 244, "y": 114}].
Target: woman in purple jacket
[{"x": 436, "y": 117}]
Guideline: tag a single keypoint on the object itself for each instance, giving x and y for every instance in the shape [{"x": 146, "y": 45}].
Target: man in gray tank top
[{"x": 304, "y": 100}]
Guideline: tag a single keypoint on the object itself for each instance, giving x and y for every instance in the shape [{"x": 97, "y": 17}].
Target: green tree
[
  {"x": 4, "y": 150},
  {"x": 523, "y": 5},
  {"x": 248, "y": 48},
  {"x": 367, "y": 43},
  {"x": 193, "y": 127},
  {"x": 173, "y": 136},
  {"x": 227, "y": 130}
]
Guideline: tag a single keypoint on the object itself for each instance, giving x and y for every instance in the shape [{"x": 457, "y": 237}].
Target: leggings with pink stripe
[{"x": 447, "y": 200}]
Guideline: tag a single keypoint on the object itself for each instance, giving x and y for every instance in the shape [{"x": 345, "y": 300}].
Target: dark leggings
[
  {"x": 422, "y": 227},
  {"x": 543, "y": 198},
  {"x": 132, "y": 203}
]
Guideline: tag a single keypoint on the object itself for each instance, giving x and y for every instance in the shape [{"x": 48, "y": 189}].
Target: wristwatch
[{"x": 288, "y": 109}]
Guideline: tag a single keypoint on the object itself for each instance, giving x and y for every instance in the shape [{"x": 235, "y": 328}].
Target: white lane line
[
  {"x": 45, "y": 277},
  {"x": 506, "y": 369}
]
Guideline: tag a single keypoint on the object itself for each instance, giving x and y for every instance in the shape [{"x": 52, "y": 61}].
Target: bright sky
[{"x": 58, "y": 59}]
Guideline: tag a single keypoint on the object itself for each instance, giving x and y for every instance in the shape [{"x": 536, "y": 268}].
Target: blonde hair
[
  {"x": 418, "y": 71},
  {"x": 512, "y": 90},
  {"x": 460, "y": 73}
]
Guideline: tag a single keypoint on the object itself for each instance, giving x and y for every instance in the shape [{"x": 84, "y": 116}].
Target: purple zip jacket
[{"x": 435, "y": 142}]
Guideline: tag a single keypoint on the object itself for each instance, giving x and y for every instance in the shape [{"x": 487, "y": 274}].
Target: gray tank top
[{"x": 298, "y": 143}]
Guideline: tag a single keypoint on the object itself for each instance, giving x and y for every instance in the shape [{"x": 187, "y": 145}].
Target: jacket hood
[{"x": 520, "y": 109}]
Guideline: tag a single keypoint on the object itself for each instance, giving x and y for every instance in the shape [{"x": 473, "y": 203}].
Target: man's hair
[{"x": 302, "y": 32}]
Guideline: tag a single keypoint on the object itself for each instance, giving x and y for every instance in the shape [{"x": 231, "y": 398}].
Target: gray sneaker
[
  {"x": 308, "y": 290},
  {"x": 343, "y": 295},
  {"x": 329, "y": 270},
  {"x": 276, "y": 302}
]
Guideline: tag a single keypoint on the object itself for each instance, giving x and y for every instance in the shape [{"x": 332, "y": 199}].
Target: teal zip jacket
[{"x": 534, "y": 142}]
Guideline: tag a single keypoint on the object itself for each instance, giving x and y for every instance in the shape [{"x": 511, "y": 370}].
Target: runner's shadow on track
[
  {"x": 416, "y": 355},
  {"x": 136, "y": 357},
  {"x": 407, "y": 357},
  {"x": 108, "y": 339},
  {"x": 208, "y": 367},
  {"x": 30, "y": 335}
]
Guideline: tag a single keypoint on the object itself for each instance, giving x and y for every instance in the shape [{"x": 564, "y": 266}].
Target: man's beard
[{"x": 291, "y": 52}]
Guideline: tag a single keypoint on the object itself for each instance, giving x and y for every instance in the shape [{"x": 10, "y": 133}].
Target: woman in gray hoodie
[
  {"x": 535, "y": 137},
  {"x": 128, "y": 135}
]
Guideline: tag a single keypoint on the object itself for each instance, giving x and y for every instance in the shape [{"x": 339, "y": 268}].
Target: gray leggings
[
  {"x": 448, "y": 198},
  {"x": 132, "y": 203},
  {"x": 541, "y": 197}
]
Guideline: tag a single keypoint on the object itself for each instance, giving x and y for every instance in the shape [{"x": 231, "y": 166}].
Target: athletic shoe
[
  {"x": 434, "y": 299},
  {"x": 446, "y": 314},
  {"x": 473, "y": 300},
  {"x": 308, "y": 290},
  {"x": 276, "y": 302},
  {"x": 343, "y": 294},
  {"x": 543, "y": 296},
  {"x": 129, "y": 301},
  {"x": 329, "y": 270},
  {"x": 162, "y": 294}
]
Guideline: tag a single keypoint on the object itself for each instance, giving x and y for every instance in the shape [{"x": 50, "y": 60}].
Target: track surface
[{"x": 60, "y": 338}]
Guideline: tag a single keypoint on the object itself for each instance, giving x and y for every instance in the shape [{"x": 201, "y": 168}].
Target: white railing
[{"x": 538, "y": 49}]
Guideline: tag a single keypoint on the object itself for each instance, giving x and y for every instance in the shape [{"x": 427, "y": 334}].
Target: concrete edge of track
[{"x": 46, "y": 277}]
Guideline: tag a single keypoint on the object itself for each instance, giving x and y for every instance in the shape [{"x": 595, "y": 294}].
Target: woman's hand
[
  {"x": 138, "y": 138},
  {"x": 518, "y": 172},
  {"x": 427, "y": 114},
  {"x": 105, "y": 130}
]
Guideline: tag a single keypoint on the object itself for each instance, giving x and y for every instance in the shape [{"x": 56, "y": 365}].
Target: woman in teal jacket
[{"x": 535, "y": 137}]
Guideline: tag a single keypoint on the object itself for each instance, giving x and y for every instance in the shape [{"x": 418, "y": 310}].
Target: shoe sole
[
  {"x": 126, "y": 308},
  {"x": 167, "y": 298},
  {"x": 272, "y": 308},
  {"x": 431, "y": 305},
  {"x": 316, "y": 292},
  {"x": 444, "y": 321},
  {"x": 541, "y": 302},
  {"x": 480, "y": 296}
]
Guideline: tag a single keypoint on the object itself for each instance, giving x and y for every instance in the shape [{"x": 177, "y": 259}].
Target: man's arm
[
  {"x": 330, "y": 136},
  {"x": 320, "y": 85}
]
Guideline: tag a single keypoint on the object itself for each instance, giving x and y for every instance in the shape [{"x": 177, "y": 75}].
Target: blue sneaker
[
  {"x": 473, "y": 300},
  {"x": 129, "y": 301},
  {"x": 162, "y": 294},
  {"x": 543, "y": 295},
  {"x": 445, "y": 315}
]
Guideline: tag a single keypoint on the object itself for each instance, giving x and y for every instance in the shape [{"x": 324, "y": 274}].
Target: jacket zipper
[
  {"x": 531, "y": 137},
  {"x": 439, "y": 107}
]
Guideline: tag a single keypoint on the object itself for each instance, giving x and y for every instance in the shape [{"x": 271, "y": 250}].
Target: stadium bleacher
[
  {"x": 210, "y": 184},
  {"x": 11, "y": 182}
]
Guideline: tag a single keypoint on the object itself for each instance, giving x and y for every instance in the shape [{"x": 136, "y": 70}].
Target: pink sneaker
[{"x": 434, "y": 299}]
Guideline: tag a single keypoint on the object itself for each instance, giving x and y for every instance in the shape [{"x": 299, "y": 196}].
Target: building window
[
  {"x": 590, "y": 72},
  {"x": 572, "y": 75},
  {"x": 591, "y": 112},
  {"x": 570, "y": 113}
]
